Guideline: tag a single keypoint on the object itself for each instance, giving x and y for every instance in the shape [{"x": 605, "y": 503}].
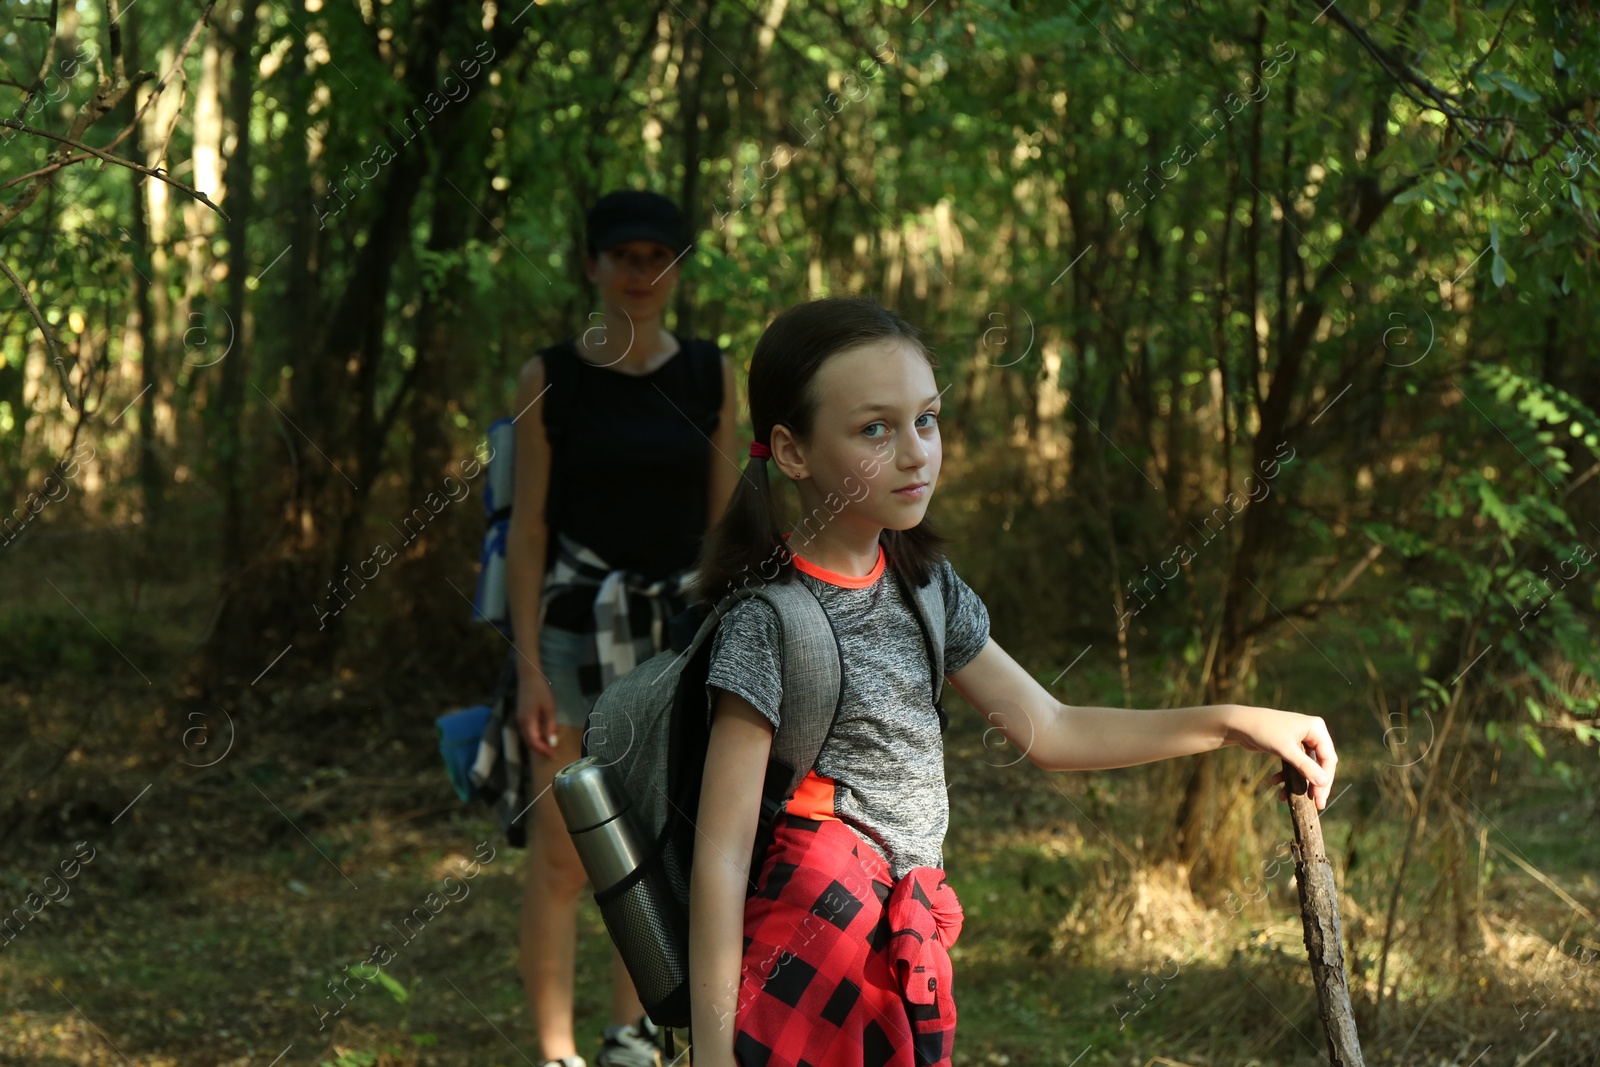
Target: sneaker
[
  {"x": 631, "y": 1045},
  {"x": 565, "y": 1061}
]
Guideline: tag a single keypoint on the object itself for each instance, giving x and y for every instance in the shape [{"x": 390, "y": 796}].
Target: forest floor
[{"x": 211, "y": 905}]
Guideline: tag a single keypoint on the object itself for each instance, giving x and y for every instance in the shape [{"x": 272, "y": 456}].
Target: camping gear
[
  {"x": 459, "y": 733},
  {"x": 499, "y": 773},
  {"x": 490, "y": 603},
  {"x": 638, "y": 906}
]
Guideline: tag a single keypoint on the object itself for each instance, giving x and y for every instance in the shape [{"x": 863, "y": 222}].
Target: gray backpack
[{"x": 652, "y": 727}]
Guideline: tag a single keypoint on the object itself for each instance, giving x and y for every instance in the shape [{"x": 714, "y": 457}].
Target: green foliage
[
  {"x": 1496, "y": 579},
  {"x": 396, "y": 990},
  {"x": 1131, "y": 235}
]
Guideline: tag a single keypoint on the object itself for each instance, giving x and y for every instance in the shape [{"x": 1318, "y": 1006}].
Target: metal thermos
[
  {"x": 631, "y": 886},
  {"x": 596, "y": 813}
]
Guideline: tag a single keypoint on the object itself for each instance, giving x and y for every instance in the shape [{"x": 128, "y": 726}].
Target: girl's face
[
  {"x": 876, "y": 436},
  {"x": 635, "y": 277}
]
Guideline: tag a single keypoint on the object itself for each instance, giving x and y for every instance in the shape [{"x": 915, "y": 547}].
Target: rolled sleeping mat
[
  {"x": 491, "y": 601},
  {"x": 502, "y": 478}
]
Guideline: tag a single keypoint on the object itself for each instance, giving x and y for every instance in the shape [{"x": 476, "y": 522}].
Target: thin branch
[
  {"x": 49, "y": 57},
  {"x": 141, "y": 77},
  {"x": 42, "y": 171},
  {"x": 114, "y": 32},
  {"x": 106, "y": 97},
  {"x": 109, "y": 158},
  {"x": 177, "y": 65},
  {"x": 1312, "y": 608},
  {"x": 122, "y": 136},
  {"x": 1404, "y": 76},
  {"x": 49, "y": 339},
  {"x": 172, "y": 127},
  {"x": 1499, "y": 31},
  {"x": 386, "y": 419},
  {"x": 1543, "y": 879}
]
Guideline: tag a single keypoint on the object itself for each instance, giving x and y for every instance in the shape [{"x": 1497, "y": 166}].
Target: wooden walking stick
[{"x": 1319, "y": 913}]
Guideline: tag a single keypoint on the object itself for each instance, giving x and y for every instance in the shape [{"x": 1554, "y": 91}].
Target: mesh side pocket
[
  {"x": 651, "y": 932},
  {"x": 677, "y": 877}
]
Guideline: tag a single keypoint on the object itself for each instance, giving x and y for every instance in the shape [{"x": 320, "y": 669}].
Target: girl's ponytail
[{"x": 746, "y": 543}]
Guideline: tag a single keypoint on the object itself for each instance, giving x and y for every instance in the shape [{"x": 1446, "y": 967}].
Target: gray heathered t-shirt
[{"x": 886, "y": 755}]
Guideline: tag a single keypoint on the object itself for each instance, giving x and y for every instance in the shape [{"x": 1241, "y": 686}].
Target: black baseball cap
[{"x": 635, "y": 215}]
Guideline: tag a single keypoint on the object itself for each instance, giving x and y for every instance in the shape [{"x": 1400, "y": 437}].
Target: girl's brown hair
[{"x": 746, "y": 544}]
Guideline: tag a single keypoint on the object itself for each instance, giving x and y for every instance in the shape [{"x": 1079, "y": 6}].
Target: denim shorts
[{"x": 560, "y": 652}]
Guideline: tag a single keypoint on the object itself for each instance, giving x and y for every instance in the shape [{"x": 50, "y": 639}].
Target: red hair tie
[{"x": 759, "y": 450}]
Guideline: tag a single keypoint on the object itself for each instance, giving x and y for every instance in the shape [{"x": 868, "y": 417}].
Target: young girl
[{"x": 834, "y": 952}]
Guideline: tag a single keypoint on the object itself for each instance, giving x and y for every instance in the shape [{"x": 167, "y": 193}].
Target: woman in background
[{"x": 623, "y": 443}]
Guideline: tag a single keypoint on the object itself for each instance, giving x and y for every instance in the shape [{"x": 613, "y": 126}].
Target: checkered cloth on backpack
[{"x": 841, "y": 966}]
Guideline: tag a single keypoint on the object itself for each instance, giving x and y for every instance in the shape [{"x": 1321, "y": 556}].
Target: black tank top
[{"x": 630, "y": 455}]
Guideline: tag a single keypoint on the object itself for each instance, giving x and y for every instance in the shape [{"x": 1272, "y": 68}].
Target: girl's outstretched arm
[
  {"x": 1059, "y": 737},
  {"x": 730, "y": 805}
]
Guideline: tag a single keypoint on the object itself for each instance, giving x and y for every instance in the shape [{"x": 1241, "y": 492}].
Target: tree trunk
[
  {"x": 236, "y": 364},
  {"x": 151, "y": 481},
  {"x": 689, "y": 96},
  {"x": 331, "y": 421}
]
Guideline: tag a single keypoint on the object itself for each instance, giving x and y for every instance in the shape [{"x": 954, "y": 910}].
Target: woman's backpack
[{"x": 652, "y": 727}]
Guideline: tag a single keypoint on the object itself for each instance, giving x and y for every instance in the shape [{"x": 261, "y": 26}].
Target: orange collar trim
[{"x": 848, "y": 581}]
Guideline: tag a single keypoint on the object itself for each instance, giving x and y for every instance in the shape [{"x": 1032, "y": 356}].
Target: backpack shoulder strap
[
  {"x": 813, "y": 679},
  {"x": 927, "y": 604}
]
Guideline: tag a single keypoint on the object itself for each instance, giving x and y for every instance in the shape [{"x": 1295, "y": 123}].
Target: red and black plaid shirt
[{"x": 842, "y": 967}]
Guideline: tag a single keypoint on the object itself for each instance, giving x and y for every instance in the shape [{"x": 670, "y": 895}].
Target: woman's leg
[{"x": 555, "y": 877}]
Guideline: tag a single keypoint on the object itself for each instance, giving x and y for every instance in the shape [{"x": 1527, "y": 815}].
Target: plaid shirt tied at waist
[
  {"x": 499, "y": 772},
  {"x": 619, "y": 645},
  {"x": 843, "y": 966},
  {"x": 925, "y": 918}
]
